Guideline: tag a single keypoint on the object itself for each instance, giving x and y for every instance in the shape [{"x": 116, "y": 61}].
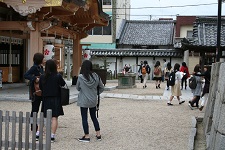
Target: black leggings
[
  {"x": 35, "y": 107},
  {"x": 196, "y": 101},
  {"x": 84, "y": 116},
  {"x": 184, "y": 80}
]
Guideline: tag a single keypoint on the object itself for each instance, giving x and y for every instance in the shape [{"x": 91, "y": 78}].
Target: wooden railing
[{"x": 15, "y": 131}]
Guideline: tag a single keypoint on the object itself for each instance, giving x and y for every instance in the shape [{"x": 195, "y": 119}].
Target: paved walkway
[{"x": 19, "y": 92}]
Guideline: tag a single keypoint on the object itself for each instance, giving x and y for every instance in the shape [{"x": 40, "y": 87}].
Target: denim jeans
[{"x": 84, "y": 116}]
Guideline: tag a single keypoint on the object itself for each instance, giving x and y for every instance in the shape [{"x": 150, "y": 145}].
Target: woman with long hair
[
  {"x": 147, "y": 69},
  {"x": 88, "y": 85},
  {"x": 50, "y": 84},
  {"x": 167, "y": 72},
  {"x": 157, "y": 74},
  {"x": 205, "y": 92},
  {"x": 175, "y": 90},
  {"x": 185, "y": 71},
  {"x": 197, "y": 91}
]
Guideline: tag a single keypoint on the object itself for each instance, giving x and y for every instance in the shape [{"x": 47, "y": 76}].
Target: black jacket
[
  {"x": 34, "y": 72},
  {"x": 51, "y": 86}
]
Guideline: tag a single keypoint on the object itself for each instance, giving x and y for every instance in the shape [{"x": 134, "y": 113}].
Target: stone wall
[{"x": 214, "y": 119}]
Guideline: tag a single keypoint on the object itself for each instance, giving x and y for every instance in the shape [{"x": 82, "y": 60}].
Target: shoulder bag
[{"x": 65, "y": 95}]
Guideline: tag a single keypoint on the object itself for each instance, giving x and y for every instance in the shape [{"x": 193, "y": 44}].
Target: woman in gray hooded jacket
[{"x": 87, "y": 84}]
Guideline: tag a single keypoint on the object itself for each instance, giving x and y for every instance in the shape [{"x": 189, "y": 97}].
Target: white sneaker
[{"x": 190, "y": 106}]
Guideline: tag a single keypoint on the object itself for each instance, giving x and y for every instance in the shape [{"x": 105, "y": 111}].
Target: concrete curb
[{"x": 193, "y": 132}]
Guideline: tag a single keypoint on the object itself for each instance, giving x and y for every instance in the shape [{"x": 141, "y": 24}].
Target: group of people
[
  {"x": 162, "y": 73},
  {"x": 50, "y": 81},
  {"x": 181, "y": 76},
  {"x": 158, "y": 72},
  {"x": 198, "y": 92}
]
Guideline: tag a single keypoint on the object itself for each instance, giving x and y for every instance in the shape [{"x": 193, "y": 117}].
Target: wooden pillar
[
  {"x": 77, "y": 56},
  {"x": 35, "y": 44}
]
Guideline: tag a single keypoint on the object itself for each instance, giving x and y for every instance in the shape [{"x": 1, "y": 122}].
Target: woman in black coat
[
  {"x": 33, "y": 75},
  {"x": 50, "y": 84}
]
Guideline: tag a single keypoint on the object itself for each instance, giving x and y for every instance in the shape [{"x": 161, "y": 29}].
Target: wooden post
[
  {"x": 13, "y": 144},
  {"x": 27, "y": 130},
  {"x": 20, "y": 136},
  {"x": 1, "y": 120},
  {"x": 7, "y": 130},
  {"x": 34, "y": 44},
  {"x": 34, "y": 130},
  {"x": 77, "y": 56},
  {"x": 41, "y": 125},
  {"x": 48, "y": 129}
]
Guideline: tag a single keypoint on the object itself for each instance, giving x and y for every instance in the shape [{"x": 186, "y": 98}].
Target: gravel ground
[{"x": 125, "y": 124}]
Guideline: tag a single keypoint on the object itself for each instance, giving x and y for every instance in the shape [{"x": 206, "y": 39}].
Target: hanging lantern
[
  {"x": 49, "y": 51},
  {"x": 87, "y": 54}
]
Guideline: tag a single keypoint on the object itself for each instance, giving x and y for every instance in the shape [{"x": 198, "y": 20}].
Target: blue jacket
[{"x": 34, "y": 72}]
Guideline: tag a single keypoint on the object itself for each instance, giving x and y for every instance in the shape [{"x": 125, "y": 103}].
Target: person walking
[
  {"x": 175, "y": 90},
  {"x": 157, "y": 74},
  {"x": 33, "y": 75},
  {"x": 205, "y": 92},
  {"x": 197, "y": 91},
  {"x": 87, "y": 84},
  {"x": 145, "y": 71},
  {"x": 50, "y": 84},
  {"x": 167, "y": 72},
  {"x": 139, "y": 71},
  {"x": 185, "y": 71}
]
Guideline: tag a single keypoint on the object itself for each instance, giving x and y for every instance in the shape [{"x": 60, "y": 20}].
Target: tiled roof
[
  {"x": 147, "y": 33},
  {"x": 205, "y": 31},
  {"x": 137, "y": 52}
]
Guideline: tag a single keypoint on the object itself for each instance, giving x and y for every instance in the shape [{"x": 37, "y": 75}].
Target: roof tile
[{"x": 147, "y": 33}]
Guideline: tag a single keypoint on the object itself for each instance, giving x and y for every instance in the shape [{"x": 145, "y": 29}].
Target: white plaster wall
[
  {"x": 184, "y": 29},
  {"x": 129, "y": 61},
  {"x": 132, "y": 61},
  {"x": 193, "y": 61}
]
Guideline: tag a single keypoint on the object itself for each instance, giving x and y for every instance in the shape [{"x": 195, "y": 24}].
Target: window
[
  {"x": 89, "y": 32},
  {"x": 107, "y": 29},
  {"x": 189, "y": 34},
  {"x": 97, "y": 31},
  {"x": 106, "y": 2}
]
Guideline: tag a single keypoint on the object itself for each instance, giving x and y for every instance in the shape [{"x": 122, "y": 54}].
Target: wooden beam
[
  {"x": 14, "y": 25},
  {"x": 55, "y": 11},
  {"x": 21, "y": 36},
  {"x": 61, "y": 31}
]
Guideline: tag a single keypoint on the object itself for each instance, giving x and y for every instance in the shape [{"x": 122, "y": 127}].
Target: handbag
[
  {"x": 37, "y": 91},
  {"x": 65, "y": 95}
]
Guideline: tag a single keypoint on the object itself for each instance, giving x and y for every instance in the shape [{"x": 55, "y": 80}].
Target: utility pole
[{"x": 218, "y": 50}]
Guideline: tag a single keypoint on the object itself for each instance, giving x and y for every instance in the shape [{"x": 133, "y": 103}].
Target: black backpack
[
  {"x": 192, "y": 82},
  {"x": 171, "y": 80}
]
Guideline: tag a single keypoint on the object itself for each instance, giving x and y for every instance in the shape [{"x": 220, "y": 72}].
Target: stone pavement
[{"x": 19, "y": 92}]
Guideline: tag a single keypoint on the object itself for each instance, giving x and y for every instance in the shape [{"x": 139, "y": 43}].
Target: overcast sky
[{"x": 173, "y": 11}]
